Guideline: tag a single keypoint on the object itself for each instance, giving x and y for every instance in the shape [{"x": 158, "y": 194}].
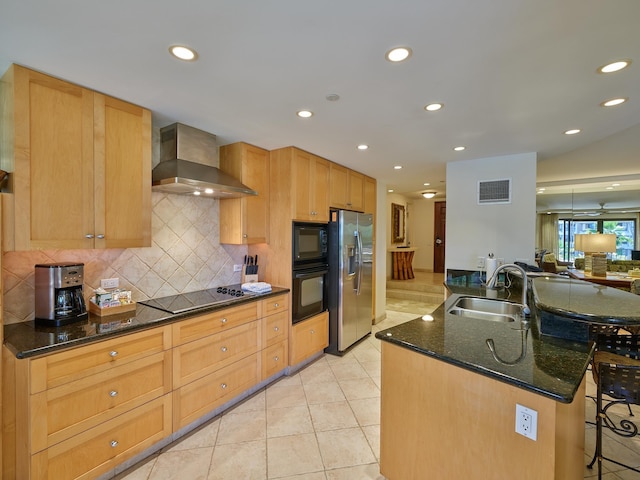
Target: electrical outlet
[
  {"x": 110, "y": 282},
  {"x": 237, "y": 268},
  {"x": 480, "y": 262},
  {"x": 526, "y": 422}
]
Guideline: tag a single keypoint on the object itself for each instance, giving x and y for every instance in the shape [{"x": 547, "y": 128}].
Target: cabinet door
[
  {"x": 338, "y": 176},
  {"x": 309, "y": 337},
  {"x": 370, "y": 196},
  {"x": 319, "y": 183},
  {"x": 245, "y": 220},
  {"x": 301, "y": 165},
  {"x": 53, "y": 148},
  {"x": 356, "y": 191},
  {"x": 122, "y": 155}
]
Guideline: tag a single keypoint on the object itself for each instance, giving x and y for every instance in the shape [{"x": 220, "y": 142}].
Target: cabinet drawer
[
  {"x": 60, "y": 368},
  {"x": 276, "y": 304},
  {"x": 101, "y": 448},
  {"x": 309, "y": 337},
  {"x": 274, "y": 359},
  {"x": 275, "y": 328},
  {"x": 198, "y": 398},
  {"x": 197, "y": 359},
  {"x": 214, "y": 322},
  {"x": 76, "y": 406}
]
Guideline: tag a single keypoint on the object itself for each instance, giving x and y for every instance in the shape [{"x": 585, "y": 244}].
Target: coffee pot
[{"x": 59, "y": 293}]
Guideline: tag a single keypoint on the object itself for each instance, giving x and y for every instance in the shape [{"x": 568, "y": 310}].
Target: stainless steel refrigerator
[{"x": 349, "y": 285}]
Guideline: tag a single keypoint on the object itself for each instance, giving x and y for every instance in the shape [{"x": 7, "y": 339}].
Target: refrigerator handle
[{"x": 359, "y": 263}]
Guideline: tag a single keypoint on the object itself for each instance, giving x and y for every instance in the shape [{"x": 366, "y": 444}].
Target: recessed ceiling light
[
  {"x": 363, "y": 147},
  {"x": 183, "y": 53},
  {"x": 208, "y": 191},
  {"x": 305, "y": 113},
  {"x": 398, "y": 54},
  {"x": 614, "y": 66},
  {"x": 426, "y": 184},
  {"x": 613, "y": 102},
  {"x": 459, "y": 149},
  {"x": 333, "y": 97},
  {"x": 541, "y": 189},
  {"x": 608, "y": 188},
  {"x": 398, "y": 167},
  {"x": 196, "y": 193},
  {"x": 433, "y": 107},
  {"x": 390, "y": 190},
  {"x": 615, "y": 184},
  {"x": 572, "y": 131}
]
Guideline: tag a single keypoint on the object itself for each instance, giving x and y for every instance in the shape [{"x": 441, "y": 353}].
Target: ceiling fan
[{"x": 594, "y": 213}]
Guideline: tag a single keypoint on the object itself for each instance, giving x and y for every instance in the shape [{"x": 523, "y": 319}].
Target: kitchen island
[{"x": 448, "y": 407}]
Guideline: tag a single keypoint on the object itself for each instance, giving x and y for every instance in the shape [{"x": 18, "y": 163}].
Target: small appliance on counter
[{"x": 59, "y": 296}]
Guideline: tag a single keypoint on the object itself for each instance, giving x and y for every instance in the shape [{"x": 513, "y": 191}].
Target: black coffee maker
[{"x": 59, "y": 298}]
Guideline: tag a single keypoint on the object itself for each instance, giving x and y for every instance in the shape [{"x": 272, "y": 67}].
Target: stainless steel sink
[{"x": 487, "y": 309}]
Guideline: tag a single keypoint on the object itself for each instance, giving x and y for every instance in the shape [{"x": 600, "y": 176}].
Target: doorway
[{"x": 439, "y": 232}]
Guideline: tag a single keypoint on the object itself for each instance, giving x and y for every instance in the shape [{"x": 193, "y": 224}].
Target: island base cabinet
[
  {"x": 100, "y": 449},
  {"x": 442, "y": 421}
]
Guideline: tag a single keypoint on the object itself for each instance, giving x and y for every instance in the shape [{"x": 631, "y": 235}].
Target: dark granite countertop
[
  {"x": 26, "y": 339},
  {"x": 548, "y": 366},
  {"x": 586, "y": 301}
]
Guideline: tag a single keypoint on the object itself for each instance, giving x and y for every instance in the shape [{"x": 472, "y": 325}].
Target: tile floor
[{"x": 321, "y": 423}]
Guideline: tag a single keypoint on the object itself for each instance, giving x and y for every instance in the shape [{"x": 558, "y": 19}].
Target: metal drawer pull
[
  {"x": 113, "y": 393},
  {"x": 275, "y": 329},
  {"x": 276, "y": 305},
  {"x": 276, "y": 358},
  {"x": 114, "y": 443},
  {"x": 223, "y": 386},
  {"x": 224, "y": 349},
  {"x": 312, "y": 332},
  {"x": 113, "y": 353},
  {"x": 224, "y": 320}
]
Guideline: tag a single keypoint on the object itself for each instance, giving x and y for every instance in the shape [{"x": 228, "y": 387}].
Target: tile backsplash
[{"x": 185, "y": 255}]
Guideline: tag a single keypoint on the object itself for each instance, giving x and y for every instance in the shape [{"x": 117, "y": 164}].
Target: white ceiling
[{"x": 513, "y": 74}]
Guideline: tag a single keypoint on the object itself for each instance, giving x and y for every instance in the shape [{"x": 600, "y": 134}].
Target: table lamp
[{"x": 595, "y": 247}]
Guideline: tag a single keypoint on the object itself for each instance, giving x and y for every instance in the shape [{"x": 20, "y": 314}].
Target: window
[{"x": 625, "y": 230}]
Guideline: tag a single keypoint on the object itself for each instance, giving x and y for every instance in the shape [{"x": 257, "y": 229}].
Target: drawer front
[
  {"x": 214, "y": 322},
  {"x": 101, "y": 448},
  {"x": 198, "y": 398},
  {"x": 274, "y": 359},
  {"x": 74, "y": 407},
  {"x": 276, "y": 328},
  {"x": 276, "y": 304},
  {"x": 60, "y": 368},
  {"x": 197, "y": 359},
  {"x": 309, "y": 337}
]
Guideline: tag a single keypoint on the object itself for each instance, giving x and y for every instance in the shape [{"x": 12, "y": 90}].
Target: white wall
[{"x": 507, "y": 230}]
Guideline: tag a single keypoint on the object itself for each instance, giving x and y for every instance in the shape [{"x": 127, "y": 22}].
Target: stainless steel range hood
[{"x": 187, "y": 165}]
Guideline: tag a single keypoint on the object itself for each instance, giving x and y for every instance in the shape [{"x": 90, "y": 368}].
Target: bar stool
[{"x": 616, "y": 371}]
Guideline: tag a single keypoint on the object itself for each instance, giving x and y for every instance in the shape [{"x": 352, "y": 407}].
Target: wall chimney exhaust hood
[{"x": 187, "y": 165}]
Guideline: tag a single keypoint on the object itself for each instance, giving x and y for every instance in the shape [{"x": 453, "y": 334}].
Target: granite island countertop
[
  {"x": 26, "y": 339},
  {"x": 545, "y": 365}
]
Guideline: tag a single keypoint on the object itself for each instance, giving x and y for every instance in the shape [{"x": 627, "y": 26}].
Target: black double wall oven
[{"x": 310, "y": 269}]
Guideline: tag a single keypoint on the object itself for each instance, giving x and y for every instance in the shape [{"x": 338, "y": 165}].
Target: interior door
[{"x": 439, "y": 231}]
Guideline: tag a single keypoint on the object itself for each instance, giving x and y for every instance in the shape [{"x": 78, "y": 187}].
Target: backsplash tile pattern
[{"x": 185, "y": 255}]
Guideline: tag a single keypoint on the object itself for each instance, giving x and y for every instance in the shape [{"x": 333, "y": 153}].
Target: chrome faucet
[{"x": 491, "y": 283}]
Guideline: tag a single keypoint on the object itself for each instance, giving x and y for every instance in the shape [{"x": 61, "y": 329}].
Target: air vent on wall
[{"x": 494, "y": 191}]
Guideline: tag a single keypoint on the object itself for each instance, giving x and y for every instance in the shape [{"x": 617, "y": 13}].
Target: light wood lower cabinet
[
  {"x": 309, "y": 337},
  {"x": 78, "y": 413},
  {"x": 99, "y": 449}
]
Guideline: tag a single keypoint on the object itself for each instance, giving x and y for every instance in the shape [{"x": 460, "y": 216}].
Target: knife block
[{"x": 248, "y": 278}]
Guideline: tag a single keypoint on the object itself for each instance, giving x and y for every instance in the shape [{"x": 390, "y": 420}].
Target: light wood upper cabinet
[
  {"x": 311, "y": 186},
  {"x": 370, "y": 196},
  {"x": 81, "y": 166},
  {"x": 245, "y": 220},
  {"x": 347, "y": 188}
]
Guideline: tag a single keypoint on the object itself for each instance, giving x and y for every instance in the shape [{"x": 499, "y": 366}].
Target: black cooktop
[{"x": 185, "y": 302}]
